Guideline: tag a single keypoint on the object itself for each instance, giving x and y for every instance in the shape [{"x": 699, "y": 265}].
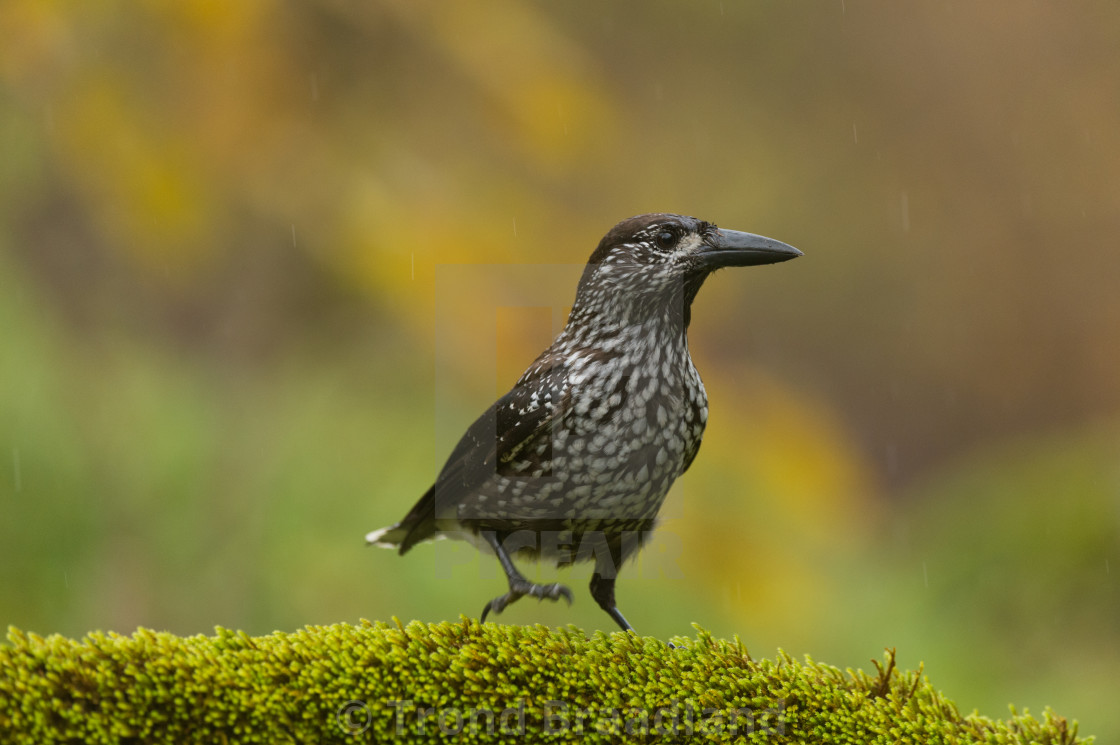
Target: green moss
[{"x": 466, "y": 682}]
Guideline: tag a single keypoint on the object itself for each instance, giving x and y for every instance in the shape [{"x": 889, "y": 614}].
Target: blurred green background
[{"x": 255, "y": 279}]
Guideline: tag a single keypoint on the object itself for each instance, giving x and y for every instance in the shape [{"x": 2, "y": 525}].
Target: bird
[{"x": 574, "y": 462}]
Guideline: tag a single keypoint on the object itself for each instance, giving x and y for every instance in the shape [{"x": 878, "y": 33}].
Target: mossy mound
[{"x": 466, "y": 682}]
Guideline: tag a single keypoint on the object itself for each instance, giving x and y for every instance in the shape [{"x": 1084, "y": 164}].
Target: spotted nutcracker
[{"x": 575, "y": 461}]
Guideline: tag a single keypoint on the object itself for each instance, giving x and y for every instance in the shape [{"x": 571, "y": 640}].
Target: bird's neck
[{"x": 665, "y": 329}]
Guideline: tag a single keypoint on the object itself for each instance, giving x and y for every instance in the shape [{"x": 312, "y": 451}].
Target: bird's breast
[{"x": 628, "y": 426}]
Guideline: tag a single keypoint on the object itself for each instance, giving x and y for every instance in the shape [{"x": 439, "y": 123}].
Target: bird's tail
[{"x": 389, "y": 537}]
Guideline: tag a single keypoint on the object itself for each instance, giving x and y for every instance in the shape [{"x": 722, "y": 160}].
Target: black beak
[{"x": 733, "y": 248}]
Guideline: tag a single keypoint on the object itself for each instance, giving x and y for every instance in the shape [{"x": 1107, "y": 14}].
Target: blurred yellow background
[{"x": 262, "y": 262}]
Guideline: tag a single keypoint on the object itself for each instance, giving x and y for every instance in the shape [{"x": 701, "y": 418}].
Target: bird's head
[{"x": 656, "y": 263}]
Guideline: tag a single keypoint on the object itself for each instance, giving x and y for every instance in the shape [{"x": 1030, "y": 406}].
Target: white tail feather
[{"x": 389, "y": 537}]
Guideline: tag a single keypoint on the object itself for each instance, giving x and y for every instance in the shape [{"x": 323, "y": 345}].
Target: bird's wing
[{"x": 508, "y": 428}]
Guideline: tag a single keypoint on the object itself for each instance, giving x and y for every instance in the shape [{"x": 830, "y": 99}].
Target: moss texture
[{"x": 464, "y": 682}]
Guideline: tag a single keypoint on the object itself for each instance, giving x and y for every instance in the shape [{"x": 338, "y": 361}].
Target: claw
[
  {"x": 554, "y": 591},
  {"x": 517, "y": 591}
]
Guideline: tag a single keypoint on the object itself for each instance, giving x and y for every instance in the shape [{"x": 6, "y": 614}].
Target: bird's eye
[{"x": 665, "y": 239}]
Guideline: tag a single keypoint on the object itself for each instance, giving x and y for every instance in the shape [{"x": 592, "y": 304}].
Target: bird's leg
[
  {"x": 519, "y": 587},
  {"x": 602, "y": 589}
]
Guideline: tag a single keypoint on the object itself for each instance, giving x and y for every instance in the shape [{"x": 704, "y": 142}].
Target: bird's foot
[{"x": 518, "y": 590}]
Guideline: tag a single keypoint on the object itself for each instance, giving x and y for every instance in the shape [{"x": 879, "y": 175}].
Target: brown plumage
[{"x": 575, "y": 461}]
